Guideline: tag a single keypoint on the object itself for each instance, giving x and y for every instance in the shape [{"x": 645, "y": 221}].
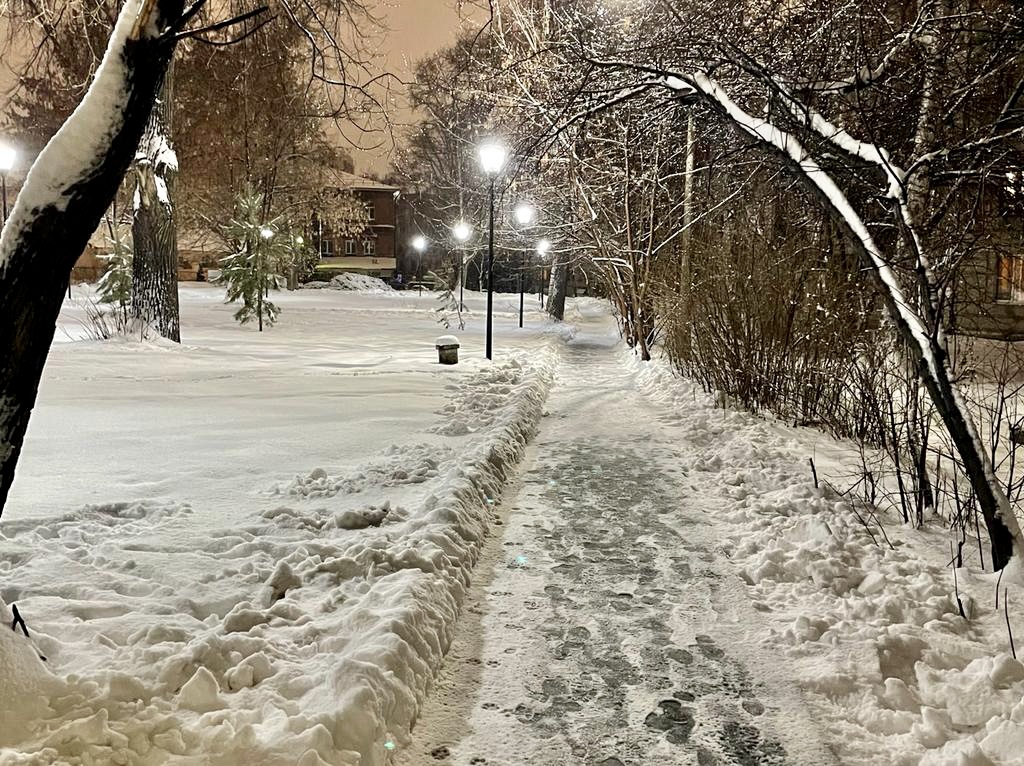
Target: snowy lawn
[{"x": 252, "y": 548}]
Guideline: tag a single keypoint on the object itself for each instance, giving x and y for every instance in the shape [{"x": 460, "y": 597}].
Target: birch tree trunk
[
  {"x": 155, "y": 263},
  {"x": 70, "y": 186},
  {"x": 685, "y": 241},
  {"x": 558, "y": 287}
]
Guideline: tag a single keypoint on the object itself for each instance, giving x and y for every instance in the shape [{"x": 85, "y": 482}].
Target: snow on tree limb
[
  {"x": 83, "y": 140},
  {"x": 951, "y": 403}
]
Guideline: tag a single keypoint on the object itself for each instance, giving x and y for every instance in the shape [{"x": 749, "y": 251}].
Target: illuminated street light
[
  {"x": 543, "y": 247},
  {"x": 493, "y": 157},
  {"x": 419, "y": 243},
  {"x": 267, "y": 233},
  {"x": 462, "y": 231},
  {"x": 525, "y": 213}
]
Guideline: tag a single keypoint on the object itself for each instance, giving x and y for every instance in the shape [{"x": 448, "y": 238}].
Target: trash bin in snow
[{"x": 447, "y": 349}]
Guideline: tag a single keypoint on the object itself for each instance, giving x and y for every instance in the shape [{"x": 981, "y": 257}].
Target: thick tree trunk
[
  {"x": 70, "y": 186},
  {"x": 558, "y": 287},
  {"x": 155, "y": 262}
]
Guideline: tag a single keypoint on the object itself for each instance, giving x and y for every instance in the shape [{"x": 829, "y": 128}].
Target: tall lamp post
[
  {"x": 525, "y": 215},
  {"x": 419, "y": 244},
  {"x": 493, "y": 157},
  {"x": 462, "y": 232},
  {"x": 542, "y": 250},
  {"x": 7, "y": 159}
]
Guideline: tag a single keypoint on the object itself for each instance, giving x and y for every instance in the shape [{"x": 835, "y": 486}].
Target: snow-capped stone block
[{"x": 447, "y": 349}]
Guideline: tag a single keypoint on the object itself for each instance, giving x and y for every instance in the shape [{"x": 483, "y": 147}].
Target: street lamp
[
  {"x": 267, "y": 233},
  {"x": 462, "y": 231},
  {"x": 419, "y": 244},
  {"x": 7, "y": 159},
  {"x": 542, "y": 250},
  {"x": 493, "y": 157},
  {"x": 525, "y": 215}
]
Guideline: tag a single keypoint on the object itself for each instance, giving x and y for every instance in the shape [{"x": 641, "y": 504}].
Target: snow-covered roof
[{"x": 352, "y": 181}]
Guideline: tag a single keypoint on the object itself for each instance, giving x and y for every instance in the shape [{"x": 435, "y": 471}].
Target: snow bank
[
  {"x": 308, "y": 635},
  {"x": 885, "y": 655},
  {"x": 357, "y": 282}
]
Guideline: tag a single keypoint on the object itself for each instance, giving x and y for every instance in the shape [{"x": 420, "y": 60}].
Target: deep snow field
[
  {"x": 253, "y": 549},
  {"x": 250, "y": 549}
]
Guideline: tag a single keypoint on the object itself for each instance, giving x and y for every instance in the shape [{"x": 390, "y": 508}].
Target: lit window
[{"x": 1010, "y": 278}]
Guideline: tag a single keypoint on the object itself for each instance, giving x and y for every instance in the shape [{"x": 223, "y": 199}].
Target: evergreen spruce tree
[
  {"x": 260, "y": 250},
  {"x": 115, "y": 286}
]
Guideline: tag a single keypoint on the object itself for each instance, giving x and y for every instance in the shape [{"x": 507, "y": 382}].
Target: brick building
[{"x": 373, "y": 252}]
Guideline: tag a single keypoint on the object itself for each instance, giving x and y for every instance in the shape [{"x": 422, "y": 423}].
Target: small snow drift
[
  {"x": 358, "y": 283},
  {"x": 25, "y": 684}
]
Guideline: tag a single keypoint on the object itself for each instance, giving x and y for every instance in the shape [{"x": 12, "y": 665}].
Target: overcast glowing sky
[{"x": 416, "y": 28}]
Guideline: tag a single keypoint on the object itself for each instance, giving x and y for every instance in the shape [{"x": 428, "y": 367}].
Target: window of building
[
  {"x": 1010, "y": 278},
  {"x": 371, "y": 211},
  {"x": 350, "y": 247},
  {"x": 369, "y": 247},
  {"x": 326, "y": 247}
]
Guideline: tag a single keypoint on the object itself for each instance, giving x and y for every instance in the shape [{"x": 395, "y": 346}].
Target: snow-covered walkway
[{"x": 607, "y": 626}]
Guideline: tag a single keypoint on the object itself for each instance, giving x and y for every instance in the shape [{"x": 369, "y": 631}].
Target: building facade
[{"x": 370, "y": 248}]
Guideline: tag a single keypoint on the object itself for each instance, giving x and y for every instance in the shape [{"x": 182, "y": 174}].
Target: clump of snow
[{"x": 447, "y": 340}]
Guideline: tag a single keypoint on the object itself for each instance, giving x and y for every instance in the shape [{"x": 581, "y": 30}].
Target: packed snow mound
[
  {"x": 25, "y": 684},
  {"x": 359, "y": 283},
  {"x": 352, "y": 282}
]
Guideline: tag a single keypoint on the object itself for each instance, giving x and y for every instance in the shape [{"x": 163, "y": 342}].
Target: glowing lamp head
[
  {"x": 493, "y": 157},
  {"x": 525, "y": 213},
  {"x": 461, "y": 231},
  {"x": 419, "y": 243},
  {"x": 543, "y": 248},
  {"x": 7, "y": 158},
  {"x": 267, "y": 233},
  {"x": 300, "y": 241}
]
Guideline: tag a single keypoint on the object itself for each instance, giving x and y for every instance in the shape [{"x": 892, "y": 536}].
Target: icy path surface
[{"x": 606, "y": 625}]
